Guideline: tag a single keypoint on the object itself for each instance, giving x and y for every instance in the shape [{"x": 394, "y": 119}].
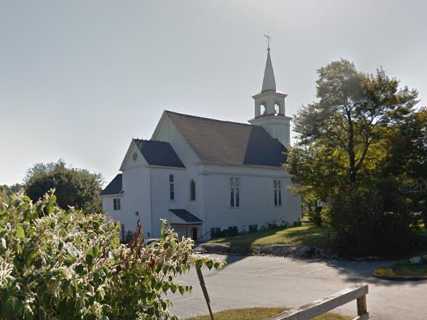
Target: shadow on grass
[{"x": 307, "y": 234}]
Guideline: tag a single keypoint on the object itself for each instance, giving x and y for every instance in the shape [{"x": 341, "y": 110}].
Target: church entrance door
[{"x": 194, "y": 233}]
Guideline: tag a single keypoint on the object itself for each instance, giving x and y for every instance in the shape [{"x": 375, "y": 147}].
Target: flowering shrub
[{"x": 65, "y": 264}]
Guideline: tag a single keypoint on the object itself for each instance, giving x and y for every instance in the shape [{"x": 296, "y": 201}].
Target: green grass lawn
[
  {"x": 307, "y": 234},
  {"x": 402, "y": 269},
  {"x": 260, "y": 314}
]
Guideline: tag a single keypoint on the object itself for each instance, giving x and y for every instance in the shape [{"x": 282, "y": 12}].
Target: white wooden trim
[{"x": 324, "y": 305}]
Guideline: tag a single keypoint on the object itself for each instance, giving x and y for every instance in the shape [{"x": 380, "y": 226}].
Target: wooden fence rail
[{"x": 324, "y": 305}]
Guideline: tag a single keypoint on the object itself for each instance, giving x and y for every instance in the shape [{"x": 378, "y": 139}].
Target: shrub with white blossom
[{"x": 65, "y": 264}]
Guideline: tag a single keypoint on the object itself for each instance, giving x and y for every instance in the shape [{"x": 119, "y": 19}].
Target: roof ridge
[
  {"x": 150, "y": 140},
  {"x": 209, "y": 119}
]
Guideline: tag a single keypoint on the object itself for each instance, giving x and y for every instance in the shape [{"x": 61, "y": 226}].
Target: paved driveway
[{"x": 274, "y": 281}]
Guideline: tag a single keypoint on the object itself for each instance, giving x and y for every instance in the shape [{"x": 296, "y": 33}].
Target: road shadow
[
  {"x": 362, "y": 271},
  {"x": 230, "y": 259}
]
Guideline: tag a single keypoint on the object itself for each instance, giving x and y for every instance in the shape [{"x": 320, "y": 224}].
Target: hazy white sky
[{"x": 80, "y": 79}]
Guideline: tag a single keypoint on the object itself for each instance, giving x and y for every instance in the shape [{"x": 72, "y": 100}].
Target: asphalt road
[{"x": 274, "y": 281}]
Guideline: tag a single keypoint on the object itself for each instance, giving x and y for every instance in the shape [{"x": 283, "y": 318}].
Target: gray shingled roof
[
  {"x": 159, "y": 153},
  {"x": 229, "y": 143},
  {"x": 115, "y": 186},
  {"x": 186, "y": 216}
]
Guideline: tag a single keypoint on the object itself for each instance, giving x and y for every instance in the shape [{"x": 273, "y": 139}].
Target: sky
[{"x": 79, "y": 79}]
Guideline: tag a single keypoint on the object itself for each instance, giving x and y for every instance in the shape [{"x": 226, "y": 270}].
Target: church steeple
[
  {"x": 270, "y": 106},
  {"x": 269, "y": 101},
  {"x": 268, "y": 83}
]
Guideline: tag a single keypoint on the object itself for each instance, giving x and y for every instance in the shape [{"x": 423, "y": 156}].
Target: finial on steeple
[{"x": 268, "y": 41}]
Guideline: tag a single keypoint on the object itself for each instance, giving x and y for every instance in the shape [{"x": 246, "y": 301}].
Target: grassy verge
[
  {"x": 260, "y": 314},
  {"x": 307, "y": 234},
  {"x": 403, "y": 270}
]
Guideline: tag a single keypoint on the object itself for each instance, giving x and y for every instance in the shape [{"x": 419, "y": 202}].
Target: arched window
[
  {"x": 171, "y": 187},
  {"x": 234, "y": 192},
  {"x": 192, "y": 190},
  {"x": 262, "y": 109},
  {"x": 277, "y": 187}
]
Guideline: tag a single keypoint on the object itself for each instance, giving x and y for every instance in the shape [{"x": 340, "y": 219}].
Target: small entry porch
[{"x": 185, "y": 223}]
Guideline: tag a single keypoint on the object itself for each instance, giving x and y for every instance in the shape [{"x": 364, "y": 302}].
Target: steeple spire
[
  {"x": 268, "y": 83},
  {"x": 270, "y": 106}
]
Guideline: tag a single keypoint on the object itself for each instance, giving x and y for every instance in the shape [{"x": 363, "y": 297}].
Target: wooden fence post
[
  {"x": 331, "y": 302},
  {"x": 204, "y": 289},
  {"x": 362, "y": 308}
]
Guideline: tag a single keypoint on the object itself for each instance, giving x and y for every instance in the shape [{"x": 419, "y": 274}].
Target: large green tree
[
  {"x": 345, "y": 149},
  {"x": 352, "y": 110},
  {"x": 74, "y": 187}
]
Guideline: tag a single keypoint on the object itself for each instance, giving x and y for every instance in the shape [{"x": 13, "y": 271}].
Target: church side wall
[
  {"x": 160, "y": 193},
  {"x": 137, "y": 200},
  {"x": 108, "y": 207},
  {"x": 161, "y": 202},
  {"x": 166, "y": 131},
  {"x": 256, "y": 199}
]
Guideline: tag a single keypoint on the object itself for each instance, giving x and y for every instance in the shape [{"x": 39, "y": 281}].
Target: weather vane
[{"x": 268, "y": 40}]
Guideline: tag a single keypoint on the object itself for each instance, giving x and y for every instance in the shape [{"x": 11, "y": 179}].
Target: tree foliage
[
  {"x": 78, "y": 188},
  {"x": 352, "y": 112},
  {"x": 6, "y": 190},
  {"x": 407, "y": 160},
  {"x": 361, "y": 150},
  {"x": 64, "y": 264}
]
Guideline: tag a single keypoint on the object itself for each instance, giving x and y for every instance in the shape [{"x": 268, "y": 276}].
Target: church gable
[{"x": 133, "y": 157}]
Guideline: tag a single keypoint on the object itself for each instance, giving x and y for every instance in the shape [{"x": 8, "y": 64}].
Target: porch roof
[{"x": 186, "y": 216}]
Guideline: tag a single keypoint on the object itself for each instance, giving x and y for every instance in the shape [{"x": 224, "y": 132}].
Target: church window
[
  {"x": 171, "y": 187},
  {"x": 234, "y": 192},
  {"x": 277, "y": 187},
  {"x": 192, "y": 190},
  {"x": 116, "y": 204}
]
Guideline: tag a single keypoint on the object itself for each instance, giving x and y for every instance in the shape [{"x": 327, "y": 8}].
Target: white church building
[{"x": 205, "y": 175}]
